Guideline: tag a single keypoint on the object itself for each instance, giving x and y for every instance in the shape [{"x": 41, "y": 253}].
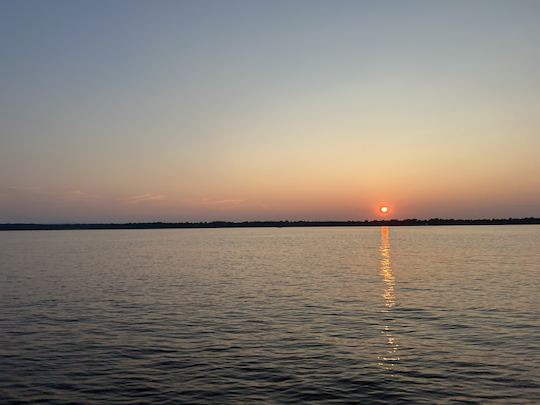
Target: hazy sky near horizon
[{"x": 243, "y": 110}]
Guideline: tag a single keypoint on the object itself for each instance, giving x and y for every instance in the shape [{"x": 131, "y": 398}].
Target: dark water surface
[{"x": 319, "y": 315}]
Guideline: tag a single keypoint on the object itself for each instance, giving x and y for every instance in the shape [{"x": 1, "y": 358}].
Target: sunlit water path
[{"x": 358, "y": 315}]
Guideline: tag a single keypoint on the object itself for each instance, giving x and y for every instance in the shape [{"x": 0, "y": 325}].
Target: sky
[{"x": 114, "y": 111}]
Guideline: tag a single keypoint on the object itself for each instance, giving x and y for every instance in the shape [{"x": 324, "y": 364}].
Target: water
[{"x": 319, "y": 315}]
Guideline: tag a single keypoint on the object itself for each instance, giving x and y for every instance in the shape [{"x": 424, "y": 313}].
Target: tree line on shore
[{"x": 274, "y": 224}]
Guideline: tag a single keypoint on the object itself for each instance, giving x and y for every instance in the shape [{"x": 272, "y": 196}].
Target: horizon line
[{"x": 9, "y": 226}]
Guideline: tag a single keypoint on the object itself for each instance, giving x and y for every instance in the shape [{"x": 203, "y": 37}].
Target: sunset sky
[{"x": 244, "y": 110}]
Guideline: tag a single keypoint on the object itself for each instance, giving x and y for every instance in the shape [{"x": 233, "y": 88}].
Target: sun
[{"x": 383, "y": 209}]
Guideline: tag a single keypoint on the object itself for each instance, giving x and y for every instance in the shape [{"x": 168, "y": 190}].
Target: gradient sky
[{"x": 242, "y": 110}]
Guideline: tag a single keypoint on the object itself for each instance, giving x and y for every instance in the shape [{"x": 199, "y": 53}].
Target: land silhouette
[{"x": 269, "y": 224}]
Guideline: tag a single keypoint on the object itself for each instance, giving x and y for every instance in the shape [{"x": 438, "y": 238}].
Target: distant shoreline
[{"x": 267, "y": 224}]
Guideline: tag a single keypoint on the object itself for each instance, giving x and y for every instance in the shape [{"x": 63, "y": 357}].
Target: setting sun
[{"x": 383, "y": 209}]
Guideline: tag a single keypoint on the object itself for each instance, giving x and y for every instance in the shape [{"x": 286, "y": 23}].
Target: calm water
[{"x": 329, "y": 315}]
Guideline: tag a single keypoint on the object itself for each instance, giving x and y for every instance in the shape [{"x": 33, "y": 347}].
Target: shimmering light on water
[
  {"x": 391, "y": 356},
  {"x": 386, "y": 270},
  {"x": 362, "y": 315}
]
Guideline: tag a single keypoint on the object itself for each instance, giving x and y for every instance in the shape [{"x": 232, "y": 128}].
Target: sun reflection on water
[
  {"x": 386, "y": 270},
  {"x": 391, "y": 357}
]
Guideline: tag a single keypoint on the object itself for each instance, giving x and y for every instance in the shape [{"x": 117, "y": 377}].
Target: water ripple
[{"x": 328, "y": 315}]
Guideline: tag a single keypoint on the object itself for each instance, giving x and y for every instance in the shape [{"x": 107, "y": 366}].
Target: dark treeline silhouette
[{"x": 275, "y": 224}]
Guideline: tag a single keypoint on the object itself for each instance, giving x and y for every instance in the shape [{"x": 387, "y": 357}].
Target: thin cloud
[
  {"x": 54, "y": 193},
  {"x": 145, "y": 198}
]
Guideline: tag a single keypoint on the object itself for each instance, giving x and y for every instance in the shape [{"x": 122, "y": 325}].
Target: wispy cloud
[
  {"x": 139, "y": 198},
  {"x": 78, "y": 194},
  {"x": 213, "y": 204},
  {"x": 53, "y": 193}
]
